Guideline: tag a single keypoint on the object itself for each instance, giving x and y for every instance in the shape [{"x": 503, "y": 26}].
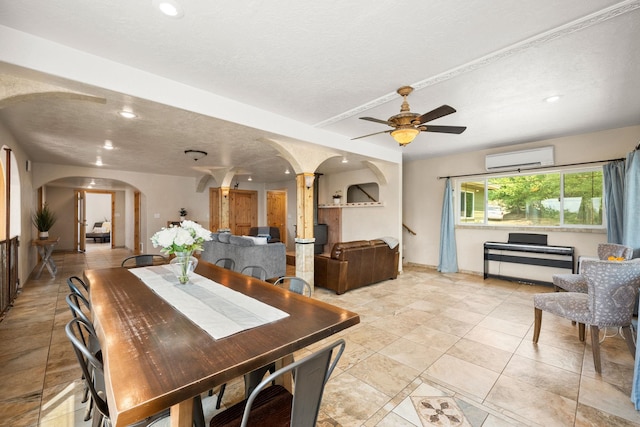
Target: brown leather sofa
[{"x": 355, "y": 264}]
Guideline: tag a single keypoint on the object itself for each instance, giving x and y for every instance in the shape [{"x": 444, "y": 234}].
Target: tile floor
[{"x": 431, "y": 349}]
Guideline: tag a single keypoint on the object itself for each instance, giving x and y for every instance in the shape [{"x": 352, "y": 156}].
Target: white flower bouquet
[{"x": 188, "y": 237}]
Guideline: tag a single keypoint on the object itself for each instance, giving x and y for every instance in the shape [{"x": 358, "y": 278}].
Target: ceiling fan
[{"x": 407, "y": 125}]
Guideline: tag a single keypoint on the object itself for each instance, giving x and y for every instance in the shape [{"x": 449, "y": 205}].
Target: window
[
  {"x": 466, "y": 209},
  {"x": 545, "y": 200}
]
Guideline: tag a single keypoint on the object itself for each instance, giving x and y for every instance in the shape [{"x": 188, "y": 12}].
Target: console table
[{"x": 45, "y": 248}]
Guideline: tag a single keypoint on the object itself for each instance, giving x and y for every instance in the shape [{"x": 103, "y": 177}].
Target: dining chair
[
  {"x": 275, "y": 405},
  {"x": 226, "y": 263},
  {"x": 93, "y": 372},
  {"x": 143, "y": 260},
  {"x": 612, "y": 290},
  {"x": 255, "y": 271},
  {"x": 294, "y": 284},
  {"x": 76, "y": 302},
  {"x": 251, "y": 379},
  {"x": 78, "y": 286},
  {"x": 577, "y": 282}
]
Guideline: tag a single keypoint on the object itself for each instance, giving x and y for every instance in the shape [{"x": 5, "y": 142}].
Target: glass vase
[{"x": 183, "y": 266}]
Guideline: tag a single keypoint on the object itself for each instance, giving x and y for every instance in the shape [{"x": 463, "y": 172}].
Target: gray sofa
[{"x": 246, "y": 251}]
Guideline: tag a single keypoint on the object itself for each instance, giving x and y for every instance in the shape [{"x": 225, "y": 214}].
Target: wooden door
[
  {"x": 79, "y": 234},
  {"x": 243, "y": 211},
  {"x": 215, "y": 209},
  {"x": 277, "y": 212}
]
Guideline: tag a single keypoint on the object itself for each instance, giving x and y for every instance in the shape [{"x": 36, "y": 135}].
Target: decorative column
[
  {"x": 304, "y": 228},
  {"x": 224, "y": 209}
]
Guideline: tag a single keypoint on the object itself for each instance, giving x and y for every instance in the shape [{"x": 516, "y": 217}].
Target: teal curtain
[
  {"x": 631, "y": 216},
  {"x": 448, "y": 256},
  {"x": 614, "y": 199},
  {"x": 631, "y": 237}
]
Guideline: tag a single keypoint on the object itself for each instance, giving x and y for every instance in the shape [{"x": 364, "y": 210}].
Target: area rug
[{"x": 439, "y": 411}]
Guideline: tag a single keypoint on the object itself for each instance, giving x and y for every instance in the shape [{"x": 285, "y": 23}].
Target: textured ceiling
[{"x": 320, "y": 65}]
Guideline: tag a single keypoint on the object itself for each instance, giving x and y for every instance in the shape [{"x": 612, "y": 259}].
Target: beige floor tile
[
  {"x": 371, "y": 337},
  {"x": 432, "y": 338},
  {"x": 462, "y": 315},
  {"x": 607, "y": 398},
  {"x": 515, "y": 312},
  {"x": 394, "y": 420},
  {"x": 417, "y": 356},
  {"x": 546, "y": 377},
  {"x": 554, "y": 356},
  {"x": 450, "y": 326},
  {"x": 20, "y": 412},
  {"x": 353, "y": 354},
  {"x": 467, "y": 377},
  {"x": 510, "y": 328},
  {"x": 480, "y": 354},
  {"x": 590, "y": 417},
  {"x": 493, "y": 338},
  {"x": 384, "y": 374},
  {"x": 524, "y": 400},
  {"x": 351, "y": 401},
  {"x": 495, "y": 421}
]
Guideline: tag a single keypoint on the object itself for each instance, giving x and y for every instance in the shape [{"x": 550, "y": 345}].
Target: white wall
[
  {"x": 370, "y": 222},
  {"x": 423, "y": 194},
  {"x": 162, "y": 197},
  {"x": 98, "y": 209},
  {"x": 22, "y": 183}
]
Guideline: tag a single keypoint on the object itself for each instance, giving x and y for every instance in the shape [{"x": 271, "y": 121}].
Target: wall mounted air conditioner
[{"x": 524, "y": 159}]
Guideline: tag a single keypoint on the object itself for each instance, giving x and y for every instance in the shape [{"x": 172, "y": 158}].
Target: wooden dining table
[{"x": 157, "y": 358}]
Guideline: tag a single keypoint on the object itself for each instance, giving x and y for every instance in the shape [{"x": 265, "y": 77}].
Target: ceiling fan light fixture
[
  {"x": 195, "y": 155},
  {"x": 404, "y": 136}
]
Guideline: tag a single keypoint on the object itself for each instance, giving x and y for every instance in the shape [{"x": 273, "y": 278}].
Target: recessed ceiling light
[
  {"x": 108, "y": 145},
  {"x": 287, "y": 171},
  {"x": 127, "y": 114},
  {"x": 344, "y": 160},
  {"x": 249, "y": 179},
  {"x": 98, "y": 161},
  {"x": 170, "y": 8},
  {"x": 554, "y": 98}
]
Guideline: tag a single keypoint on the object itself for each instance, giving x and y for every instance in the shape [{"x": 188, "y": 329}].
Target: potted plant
[
  {"x": 183, "y": 214},
  {"x": 337, "y": 196},
  {"x": 44, "y": 219}
]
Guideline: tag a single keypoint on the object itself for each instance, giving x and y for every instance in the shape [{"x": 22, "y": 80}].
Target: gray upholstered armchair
[
  {"x": 577, "y": 282},
  {"x": 612, "y": 290}
]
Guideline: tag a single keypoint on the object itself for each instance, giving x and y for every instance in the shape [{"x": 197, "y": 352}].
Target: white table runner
[{"x": 218, "y": 310}]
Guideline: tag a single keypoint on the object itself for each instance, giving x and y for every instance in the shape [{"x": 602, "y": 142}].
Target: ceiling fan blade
[
  {"x": 371, "y": 119},
  {"x": 441, "y": 111},
  {"x": 445, "y": 129},
  {"x": 371, "y": 134}
]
